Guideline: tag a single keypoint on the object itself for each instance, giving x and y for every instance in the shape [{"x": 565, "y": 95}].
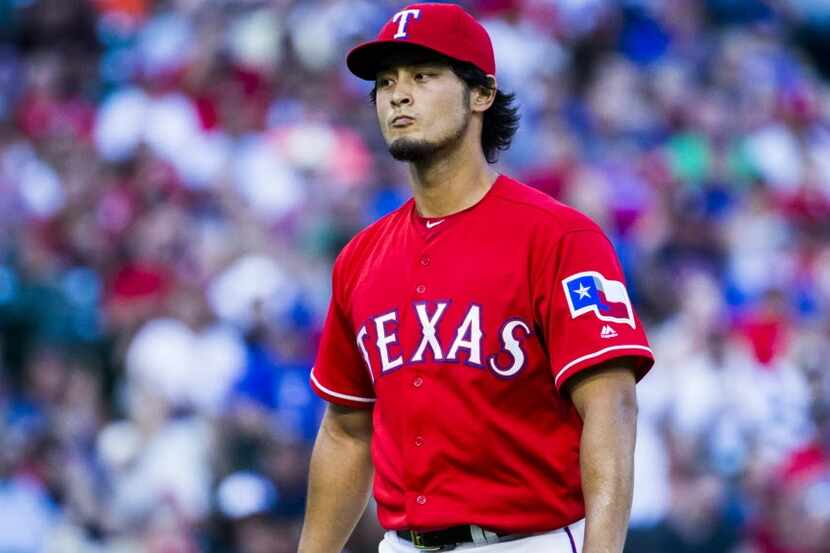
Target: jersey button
[
  {"x": 425, "y": 260},
  {"x": 421, "y": 499},
  {"x": 418, "y": 382},
  {"x": 419, "y": 441},
  {"x": 420, "y": 288}
]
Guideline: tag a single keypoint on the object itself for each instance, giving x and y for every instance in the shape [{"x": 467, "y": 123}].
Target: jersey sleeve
[
  {"x": 339, "y": 374},
  {"x": 585, "y": 312}
]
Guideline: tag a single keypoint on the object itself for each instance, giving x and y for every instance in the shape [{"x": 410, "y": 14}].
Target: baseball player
[{"x": 480, "y": 351}]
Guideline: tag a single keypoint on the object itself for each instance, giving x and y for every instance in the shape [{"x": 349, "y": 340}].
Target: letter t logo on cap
[{"x": 403, "y": 16}]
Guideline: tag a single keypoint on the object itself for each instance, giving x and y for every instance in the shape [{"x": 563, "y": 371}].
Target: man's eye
[
  {"x": 421, "y": 76},
  {"x": 383, "y": 83}
]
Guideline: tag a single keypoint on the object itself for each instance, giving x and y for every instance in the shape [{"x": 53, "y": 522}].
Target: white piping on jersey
[
  {"x": 337, "y": 394},
  {"x": 597, "y": 354}
]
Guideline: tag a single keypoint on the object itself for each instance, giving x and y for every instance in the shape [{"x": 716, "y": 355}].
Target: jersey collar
[{"x": 429, "y": 228}]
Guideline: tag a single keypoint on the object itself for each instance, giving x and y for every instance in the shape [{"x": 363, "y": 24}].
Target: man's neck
[{"x": 452, "y": 183}]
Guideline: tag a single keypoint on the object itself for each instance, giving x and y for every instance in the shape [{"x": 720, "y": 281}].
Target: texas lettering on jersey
[{"x": 380, "y": 336}]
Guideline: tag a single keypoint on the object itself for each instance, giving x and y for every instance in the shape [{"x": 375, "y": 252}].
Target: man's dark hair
[{"x": 501, "y": 120}]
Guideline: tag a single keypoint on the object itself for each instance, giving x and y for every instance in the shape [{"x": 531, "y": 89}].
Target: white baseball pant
[{"x": 565, "y": 540}]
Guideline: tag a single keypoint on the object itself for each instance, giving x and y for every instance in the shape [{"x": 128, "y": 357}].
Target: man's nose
[{"x": 401, "y": 95}]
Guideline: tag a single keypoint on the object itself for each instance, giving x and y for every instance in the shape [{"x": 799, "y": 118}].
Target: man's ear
[{"x": 483, "y": 97}]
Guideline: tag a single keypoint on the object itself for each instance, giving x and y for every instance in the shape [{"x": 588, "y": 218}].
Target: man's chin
[{"x": 408, "y": 149}]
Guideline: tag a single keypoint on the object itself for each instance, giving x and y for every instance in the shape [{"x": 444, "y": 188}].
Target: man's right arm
[{"x": 340, "y": 479}]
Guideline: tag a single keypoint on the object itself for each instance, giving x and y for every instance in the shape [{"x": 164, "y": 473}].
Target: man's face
[{"x": 422, "y": 107}]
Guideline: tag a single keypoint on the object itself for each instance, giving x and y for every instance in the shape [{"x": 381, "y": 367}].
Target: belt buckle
[{"x": 418, "y": 542}]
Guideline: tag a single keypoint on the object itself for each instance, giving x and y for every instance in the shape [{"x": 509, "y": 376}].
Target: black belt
[{"x": 446, "y": 539}]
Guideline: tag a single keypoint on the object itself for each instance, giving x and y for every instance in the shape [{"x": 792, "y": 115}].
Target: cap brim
[{"x": 365, "y": 60}]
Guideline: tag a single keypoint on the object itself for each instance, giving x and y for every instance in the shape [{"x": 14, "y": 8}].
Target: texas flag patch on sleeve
[{"x": 590, "y": 292}]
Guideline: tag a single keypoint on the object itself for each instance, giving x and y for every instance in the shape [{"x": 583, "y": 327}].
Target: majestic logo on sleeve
[{"x": 590, "y": 292}]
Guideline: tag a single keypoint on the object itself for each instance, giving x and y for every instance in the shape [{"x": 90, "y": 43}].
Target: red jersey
[{"x": 460, "y": 332}]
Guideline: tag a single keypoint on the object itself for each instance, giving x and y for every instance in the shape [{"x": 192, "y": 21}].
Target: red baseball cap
[{"x": 443, "y": 28}]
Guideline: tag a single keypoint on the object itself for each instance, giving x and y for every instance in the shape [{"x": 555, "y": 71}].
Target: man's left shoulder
[{"x": 529, "y": 205}]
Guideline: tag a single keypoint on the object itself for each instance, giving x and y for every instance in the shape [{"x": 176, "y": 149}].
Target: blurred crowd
[{"x": 176, "y": 177}]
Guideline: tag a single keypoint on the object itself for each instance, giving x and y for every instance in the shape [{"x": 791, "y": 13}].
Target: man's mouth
[{"x": 401, "y": 121}]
